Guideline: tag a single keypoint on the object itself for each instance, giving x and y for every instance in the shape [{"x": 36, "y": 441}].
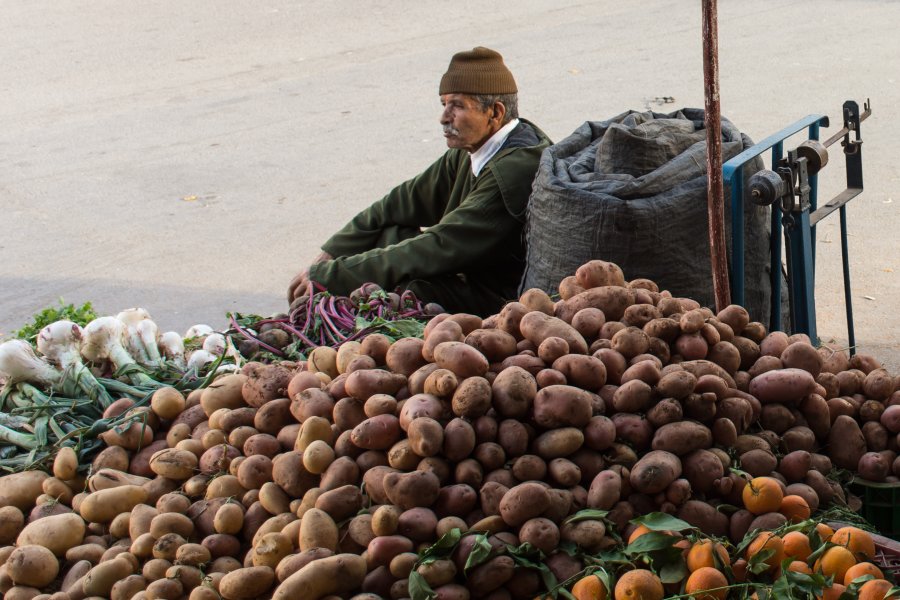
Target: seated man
[{"x": 453, "y": 234}]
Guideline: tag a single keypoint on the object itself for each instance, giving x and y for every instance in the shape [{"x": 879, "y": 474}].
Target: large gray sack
[{"x": 632, "y": 190}]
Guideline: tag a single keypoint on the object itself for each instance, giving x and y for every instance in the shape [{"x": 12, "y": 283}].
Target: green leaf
[
  {"x": 659, "y": 521},
  {"x": 481, "y": 551},
  {"x": 894, "y": 592},
  {"x": 650, "y": 542},
  {"x": 673, "y": 571},
  {"x": 419, "y": 588},
  {"x": 64, "y": 312},
  {"x": 757, "y": 563},
  {"x": 442, "y": 548},
  {"x": 588, "y": 514}
]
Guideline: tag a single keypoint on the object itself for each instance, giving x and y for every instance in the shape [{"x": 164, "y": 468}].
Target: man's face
[{"x": 466, "y": 124}]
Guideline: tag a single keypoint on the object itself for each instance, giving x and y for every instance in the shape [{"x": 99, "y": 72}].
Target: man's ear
[{"x": 499, "y": 111}]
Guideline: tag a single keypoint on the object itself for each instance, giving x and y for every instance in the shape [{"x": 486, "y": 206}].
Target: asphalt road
[{"x": 190, "y": 157}]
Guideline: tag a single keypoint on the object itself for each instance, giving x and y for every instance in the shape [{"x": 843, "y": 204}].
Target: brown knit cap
[{"x": 477, "y": 71}]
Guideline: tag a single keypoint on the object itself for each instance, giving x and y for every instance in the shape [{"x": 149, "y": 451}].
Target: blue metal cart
[{"x": 791, "y": 189}]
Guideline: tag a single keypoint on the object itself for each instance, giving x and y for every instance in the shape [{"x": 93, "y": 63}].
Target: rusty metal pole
[{"x": 715, "y": 195}]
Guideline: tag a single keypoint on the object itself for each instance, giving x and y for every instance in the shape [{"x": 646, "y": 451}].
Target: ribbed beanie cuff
[{"x": 477, "y": 71}]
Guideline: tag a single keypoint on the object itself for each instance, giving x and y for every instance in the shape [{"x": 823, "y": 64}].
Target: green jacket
[{"x": 472, "y": 225}]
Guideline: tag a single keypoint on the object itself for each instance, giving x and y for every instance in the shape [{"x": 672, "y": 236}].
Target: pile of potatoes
[{"x": 326, "y": 478}]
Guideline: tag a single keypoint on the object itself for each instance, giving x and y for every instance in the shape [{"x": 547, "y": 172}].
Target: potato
[
  {"x": 291, "y": 476},
  {"x": 12, "y": 520},
  {"x": 683, "y": 437},
  {"x": 705, "y": 517},
  {"x": 318, "y": 530},
  {"x": 611, "y": 299},
  {"x": 802, "y": 355},
  {"x": 537, "y": 326},
  {"x": 293, "y": 563},
  {"x": 377, "y": 433},
  {"x": 65, "y": 464},
  {"x": 366, "y": 383},
  {"x": 246, "y": 583},
  {"x": 513, "y": 392},
  {"x": 224, "y": 392},
  {"x": 472, "y": 398},
  {"x": 703, "y": 469},
  {"x": 655, "y": 471},
  {"x": 21, "y": 489},
  {"x": 632, "y": 397},
  {"x": 336, "y": 574},
  {"x": 178, "y": 465},
  {"x": 458, "y": 499},
  {"x": 558, "y": 443},
  {"x": 464, "y": 360},
  {"x": 513, "y": 437},
  {"x": 57, "y": 533},
  {"x": 171, "y": 523},
  {"x": 846, "y": 443},
  {"x": 491, "y": 575},
  {"x": 562, "y": 406},
  {"x": 523, "y": 502},
  {"x": 405, "y": 356},
  {"x": 408, "y": 490},
  {"x": 585, "y": 372},
  {"x": 32, "y": 565},
  {"x": 541, "y": 533},
  {"x": 101, "y": 578},
  {"x": 340, "y": 503},
  {"x": 783, "y": 386},
  {"x": 494, "y": 344}
]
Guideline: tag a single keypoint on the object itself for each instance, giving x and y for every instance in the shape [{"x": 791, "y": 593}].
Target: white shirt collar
[{"x": 487, "y": 151}]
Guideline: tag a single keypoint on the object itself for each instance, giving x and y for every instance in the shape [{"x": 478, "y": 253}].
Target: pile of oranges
[
  {"x": 839, "y": 561},
  {"x": 840, "y": 556}
]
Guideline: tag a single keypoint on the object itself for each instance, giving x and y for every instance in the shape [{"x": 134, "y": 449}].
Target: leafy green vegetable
[
  {"x": 658, "y": 521},
  {"x": 64, "y": 312},
  {"x": 419, "y": 588}
]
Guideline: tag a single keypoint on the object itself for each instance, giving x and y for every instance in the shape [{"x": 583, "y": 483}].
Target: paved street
[{"x": 190, "y": 157}]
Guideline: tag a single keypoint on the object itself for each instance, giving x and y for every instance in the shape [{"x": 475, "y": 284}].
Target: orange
[
  {"x": 638, "y": 532},
  {"x": 795, "y": 508},
  {"x": 832, "y": 593},
  {"x": 589, "y": 588},
  {"x": 860, "y": 569},
  {"x": 705, "y": 584},
  {"x": 798, "y": 566},
  {"x": 639, "y": 584},
  {"x": 767, "y": 540},
  {"x": 796, "y": 545},
  {"x": 762, "y": 495},
  {"x": 835, "y": 562},
  {"x": 859, "y": 542},
  {"x": 875, "y": 589},
  {"x": 825, "y": 532},
  {"x": 701, "y": 555}
]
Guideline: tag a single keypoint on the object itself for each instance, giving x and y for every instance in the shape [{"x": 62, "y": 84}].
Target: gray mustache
[{"x": 450, "y": 130}]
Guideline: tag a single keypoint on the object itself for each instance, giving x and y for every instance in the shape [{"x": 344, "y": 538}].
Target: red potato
[
  {"x": 536, "y": 327},
  {"x": 784, "y": 386}
]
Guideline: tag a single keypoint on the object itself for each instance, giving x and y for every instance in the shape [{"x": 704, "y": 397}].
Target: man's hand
[{"x": 299, "y": 285}]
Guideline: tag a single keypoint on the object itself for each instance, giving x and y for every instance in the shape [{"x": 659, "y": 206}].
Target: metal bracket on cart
[{"x": 791, "y": 189}]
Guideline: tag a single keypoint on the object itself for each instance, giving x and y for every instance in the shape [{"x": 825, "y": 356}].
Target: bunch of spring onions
[
  {"x": 55, "y": 392},
  {"x": 324, "y": 319}
]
